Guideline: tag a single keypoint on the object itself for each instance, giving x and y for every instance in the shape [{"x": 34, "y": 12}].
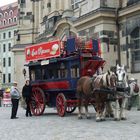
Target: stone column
[
  {"x": 61, "y": 4},
  {"x": 53, "y": 5},
  {"x": 67, "y": 4}
]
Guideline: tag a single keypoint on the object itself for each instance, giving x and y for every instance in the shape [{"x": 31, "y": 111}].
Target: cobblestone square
[{"x": 52, "y": 127}]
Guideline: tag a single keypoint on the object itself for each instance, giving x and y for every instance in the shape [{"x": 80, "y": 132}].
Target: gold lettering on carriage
[{"x": 40, "y": 51}]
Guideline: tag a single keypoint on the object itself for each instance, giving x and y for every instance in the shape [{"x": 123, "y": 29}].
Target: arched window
[
  {"x": 5, "y": 14},
  {"x": 1, "y": 15},
  {"x": 9, "y": 20},
  {"x": 15, "y": 19},
  {"x": 11, "y": 13},
  {"x": 135, "y": 49},
  {"x": 4, "y": 22}
]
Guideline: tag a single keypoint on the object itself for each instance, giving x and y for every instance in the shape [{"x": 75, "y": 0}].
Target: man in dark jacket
[{"x": 26, "y": 93}]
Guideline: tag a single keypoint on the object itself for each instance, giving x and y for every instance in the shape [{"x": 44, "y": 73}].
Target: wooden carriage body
[{"x": 54, "y": 79}]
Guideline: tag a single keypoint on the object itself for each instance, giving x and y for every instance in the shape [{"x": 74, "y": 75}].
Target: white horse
[
  {"x": 121, "y": 96},
  {"x": 134, "y": 94}
]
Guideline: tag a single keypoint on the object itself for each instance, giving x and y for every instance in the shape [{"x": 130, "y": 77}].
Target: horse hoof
[
  {"x": 80, "y": 117},
  {"x": 123, "y": 118},
  {"x": 116, "y": 119},
  {"x": 107, "y": 116},
  {"x": 88, "y": 117},
  {"x": 98, "y": 120},
  {"x": 103, "y": 119},
  {"x": 112, "y": 115}
]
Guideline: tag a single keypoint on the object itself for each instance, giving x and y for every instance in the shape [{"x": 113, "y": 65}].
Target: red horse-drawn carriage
[{"x": 54, "y": 69}]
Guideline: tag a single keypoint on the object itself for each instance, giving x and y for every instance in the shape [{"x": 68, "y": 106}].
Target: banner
[{"x": 42, "y": 51}]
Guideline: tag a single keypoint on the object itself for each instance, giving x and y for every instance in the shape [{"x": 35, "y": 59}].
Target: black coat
[{"x": 27, "y": 91}]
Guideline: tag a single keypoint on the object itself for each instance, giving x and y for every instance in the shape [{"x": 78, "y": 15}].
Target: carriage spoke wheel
[
  {"x": 70, "y": 109},
  {"x": 61, "y": 104},
  {"x": 37, "y": 103}
]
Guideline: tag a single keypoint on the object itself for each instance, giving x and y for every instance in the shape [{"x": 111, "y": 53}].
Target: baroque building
[
  {"x": 8, "y": 26},
  {"x": 115, "y": 23}
]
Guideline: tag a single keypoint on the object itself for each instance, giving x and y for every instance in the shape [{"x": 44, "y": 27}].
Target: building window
[
  {"x": 1, "y": 15},
  {"x": 9, "y": 20},
  {"x": 5, "y": 14},
  {"x": 15, "y": 19},
  {"x": 4, "y": 62},
  {"x": 3, "y": 78},
  {"x": 18, "y": 37},
  {"x": 48, "y": 5},
  {"x": 4, "y": 48},
  {"x": 9, "y": 77},
  {"x": 135, "y": 49},
  {"x": 11, "y": 13},
  {"x": 22, "y": 1},
  {"x": 9, "y": 47},
  {"x": 75, "y": 3},
  {"x": 4, "y": 22},
  {"x": 9, "y": 61},
  {"x": 9, "y": 34},
  {"x": 4, "y": 35},
  {"x": 130, "y": 2},
  {"x": 103, "y": 3}
]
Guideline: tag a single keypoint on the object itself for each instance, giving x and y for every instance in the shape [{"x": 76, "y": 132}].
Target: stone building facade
[
  {"x": 129, "y": 23},
  {"x": 8, "y": 26},
  {"x": 115, "y": 23}
]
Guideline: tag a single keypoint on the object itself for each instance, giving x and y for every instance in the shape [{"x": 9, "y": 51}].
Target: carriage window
[
  {"x": 62, "y": 72},
  {"x": 36, "y": 74},
  {"x": 32, "y": 75},
  {"x": 44, "y": 74},
  {"x": 48, "y": 73},
  {"x": 74, "y": 71}
]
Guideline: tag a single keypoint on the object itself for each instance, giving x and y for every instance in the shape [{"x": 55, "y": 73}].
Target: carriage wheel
[
  {"x": 37, "y": 103},
  {"x": 61, "y": 104},
  {"x": 70, "y": 109}
]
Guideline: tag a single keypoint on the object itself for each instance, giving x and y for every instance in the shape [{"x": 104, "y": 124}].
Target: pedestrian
[
  {"x": 26, "y": 94},
  {"x": 15, "y": 96}
]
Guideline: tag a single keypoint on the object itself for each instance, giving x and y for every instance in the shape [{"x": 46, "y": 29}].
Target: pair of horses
[{"x": 87, "y": 89}]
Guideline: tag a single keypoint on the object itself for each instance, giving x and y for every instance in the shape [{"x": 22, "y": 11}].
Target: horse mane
[{"x": 104, "y": 78}]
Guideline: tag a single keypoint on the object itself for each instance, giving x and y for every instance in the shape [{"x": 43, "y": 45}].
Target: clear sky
[{"x": 5, "y": 2}]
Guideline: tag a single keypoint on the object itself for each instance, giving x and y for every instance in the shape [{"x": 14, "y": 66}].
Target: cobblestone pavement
[{"x": 51, "y": 127}]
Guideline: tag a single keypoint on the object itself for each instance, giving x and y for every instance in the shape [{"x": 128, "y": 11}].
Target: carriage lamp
[{"x": 24, "y": 72}]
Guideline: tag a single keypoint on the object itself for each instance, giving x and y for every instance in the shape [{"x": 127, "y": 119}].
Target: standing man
[
  {"x": 26, "y": 93},
  {"x": 15, "y": 96}
]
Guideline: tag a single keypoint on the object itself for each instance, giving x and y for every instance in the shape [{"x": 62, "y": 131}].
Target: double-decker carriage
[{"x": 54, "y": 68}]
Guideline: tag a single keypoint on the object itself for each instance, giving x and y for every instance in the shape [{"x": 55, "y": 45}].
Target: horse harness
[{"x": 99, "y": 80}]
